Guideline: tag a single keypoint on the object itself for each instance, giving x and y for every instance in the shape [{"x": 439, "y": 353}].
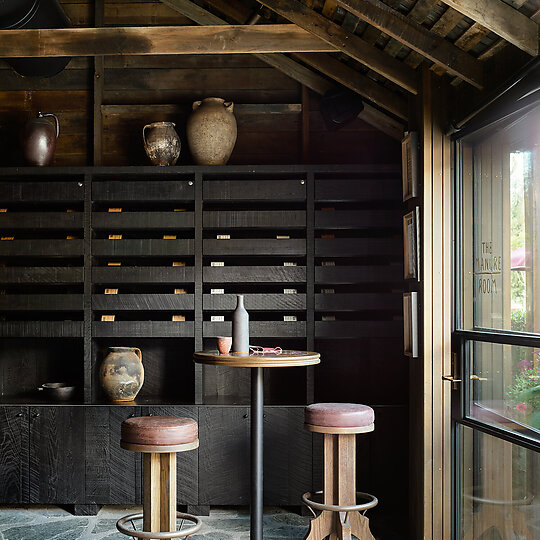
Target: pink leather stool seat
[
  {"x": 159, "y": 430},
  {"x": 340, "y": 415}
]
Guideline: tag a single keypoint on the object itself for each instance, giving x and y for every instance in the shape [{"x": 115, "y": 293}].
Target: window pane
[
  {"x": 501, "y": 228},
  {"x": 504, "y": 387},
  {"x": 500, "y": 489}
]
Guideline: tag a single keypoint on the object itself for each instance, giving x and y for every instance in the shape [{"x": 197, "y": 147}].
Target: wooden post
[
  {"x": 99, "y": 72},
  {"x": 168, "y": 492},
  {"x": 152, "y": 492},
  {"x": 305, "y": 125}
]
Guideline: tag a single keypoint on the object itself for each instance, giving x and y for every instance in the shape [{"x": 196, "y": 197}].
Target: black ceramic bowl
[{"x": 57, "y": 391}]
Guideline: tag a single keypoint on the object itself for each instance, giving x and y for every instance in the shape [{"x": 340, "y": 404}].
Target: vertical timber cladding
[{"x": 437, "y": 307}]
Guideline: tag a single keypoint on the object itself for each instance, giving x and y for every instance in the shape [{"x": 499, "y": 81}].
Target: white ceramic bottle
[{"x": 240, "y": 327}]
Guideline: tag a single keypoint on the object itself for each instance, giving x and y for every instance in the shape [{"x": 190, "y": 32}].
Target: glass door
[{"x": 496, "y": 402}]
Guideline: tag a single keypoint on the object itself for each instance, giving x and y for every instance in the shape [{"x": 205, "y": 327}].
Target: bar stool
[
  {"x": 159, "y": 438},
  {"x": 340, "y": 515}
]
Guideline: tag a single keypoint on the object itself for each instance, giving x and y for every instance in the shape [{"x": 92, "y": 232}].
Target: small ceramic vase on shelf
[
  {"x": 240, "y": 327},
  {"x": 121, "y": 373},
  {"x": 162, "y": 143},
  {"x": 211, "y": 131}
]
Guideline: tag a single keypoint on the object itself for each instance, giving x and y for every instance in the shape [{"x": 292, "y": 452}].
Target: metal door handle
[
  {"x": 450, "y": 378},
  {"x": 477, "y": 378}
]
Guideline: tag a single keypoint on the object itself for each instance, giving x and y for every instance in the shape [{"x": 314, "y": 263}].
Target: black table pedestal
[{"x": 257, "y": 418}]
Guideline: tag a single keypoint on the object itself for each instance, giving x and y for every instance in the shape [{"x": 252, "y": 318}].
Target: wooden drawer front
[
  {"x": 254, "y": 190},
  {"x": 122, "y": 190},
  {"x": 22, "y": 191}
]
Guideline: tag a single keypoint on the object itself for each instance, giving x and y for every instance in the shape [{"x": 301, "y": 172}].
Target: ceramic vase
[
  {"x": 39, "y": 139},
  {"x": 122, "y": 373},
  {"x": 240, "y": 327},
  {"x": 211, "y": 131},
  {"x": 162, "y": 143}
]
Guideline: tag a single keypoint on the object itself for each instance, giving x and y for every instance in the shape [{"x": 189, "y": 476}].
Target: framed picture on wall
[
  {"x": 410, "y": 245},
  {"x": 409, "y": 165},
  {"x": 410, "y": 324}
]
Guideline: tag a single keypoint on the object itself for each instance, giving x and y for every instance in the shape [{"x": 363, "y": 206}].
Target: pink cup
[{"x": 224, "y": 344}]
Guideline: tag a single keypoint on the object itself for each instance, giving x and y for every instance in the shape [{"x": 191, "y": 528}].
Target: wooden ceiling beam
[
  {"x": 415, "y": 36},
  {"x": 323, "y": 63},
  {"x": 502, "y": 19},
  {"x": 281, "y": 62},
  {"x": 346, "y": 42},
  {"x": 230, "y": 39},
  {"x": 357, "y": 82}
]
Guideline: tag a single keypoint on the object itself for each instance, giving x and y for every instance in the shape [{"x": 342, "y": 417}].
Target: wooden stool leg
[
  {"x": 168, "y": 492},
  {"x": 151, "y": 492},
  {"x": 360, "y": 526}
]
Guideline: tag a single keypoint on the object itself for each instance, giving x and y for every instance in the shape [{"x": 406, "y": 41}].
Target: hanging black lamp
[
  {"x": 339, "y": 107},
  {"x": 19, "y": 14}
]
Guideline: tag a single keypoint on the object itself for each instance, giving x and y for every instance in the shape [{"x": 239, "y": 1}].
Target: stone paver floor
[{"x": 54, "y": 523}]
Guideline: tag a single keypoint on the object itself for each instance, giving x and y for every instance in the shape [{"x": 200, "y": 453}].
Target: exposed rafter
[
  {"x": 416, "y": 37},
  {"x": 346, "y": 42},
  {"x": 355, "y": 81},
  {"x": 323, "y": 63},
  {"x": 502, "y": 19},
  {"x": 167, "y": 40}
]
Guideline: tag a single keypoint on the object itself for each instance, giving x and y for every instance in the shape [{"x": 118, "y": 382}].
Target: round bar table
[{"x": 257, "y": 362}]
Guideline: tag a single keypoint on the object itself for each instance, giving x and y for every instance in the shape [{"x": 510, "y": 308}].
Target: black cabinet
[
  {"x": 42, "y": 455},
  {"x": 13, "y": 454},
  {"x": 224, "y": 455},
  {"x": 113, "y": 475},
  {"x": 152, "y": 258},
  {"x": 56, "y": 455}
]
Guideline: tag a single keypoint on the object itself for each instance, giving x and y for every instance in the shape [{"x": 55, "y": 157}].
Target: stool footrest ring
[
  {"x": 372, "y": 501},
  {"x": 120, "y": 525}
]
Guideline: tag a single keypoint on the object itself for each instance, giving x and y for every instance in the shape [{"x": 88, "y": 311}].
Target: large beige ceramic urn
[
  {"x": 121, "y": 373},
  {"x": 211, "y": 131}
]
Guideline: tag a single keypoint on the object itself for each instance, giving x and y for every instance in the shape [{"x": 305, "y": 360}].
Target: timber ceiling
[
  {"x": 382, "y": 44},
  {"x": 375, "y": 48}
]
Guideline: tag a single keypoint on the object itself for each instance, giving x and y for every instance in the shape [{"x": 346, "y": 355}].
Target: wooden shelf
[
  {"x": 141, "y": 302},
  {"x": 255, "y": 247},
  {"x": 46, "y": 191},
  {"x": 58, "y": 275},
  {"x": 254, "y": 190},
  {"x": 41, "y": 248},
  {"x": 351, "y": 275},
  {"x": 369, "y": 190},
  {"x": 143, "y": 248},
  {"x": 254, "y": 219},
  {"x": 41, "y": 329},
  {"x": 142, "y": 220},
  {"x": 269, "y": 329},
  {"x": 358, "y": 302},
  {"x": 136, "y": 329},
  {"x": 357, "y": 219},
  {"x": 358, "y": 329},
  {"x": 149, "y": 190},
  {"x": 143, "y": 274},
  {"x": 256, "y": 302},
  {"x": 41, "y": 220},
  {"x": 41, "y": 302},
  {"x": 254, "y": 274},
  {"x": 357, "y": 247}
]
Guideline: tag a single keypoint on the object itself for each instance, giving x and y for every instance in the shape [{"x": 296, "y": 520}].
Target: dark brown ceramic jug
[{"x": 39, "y": 140}]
